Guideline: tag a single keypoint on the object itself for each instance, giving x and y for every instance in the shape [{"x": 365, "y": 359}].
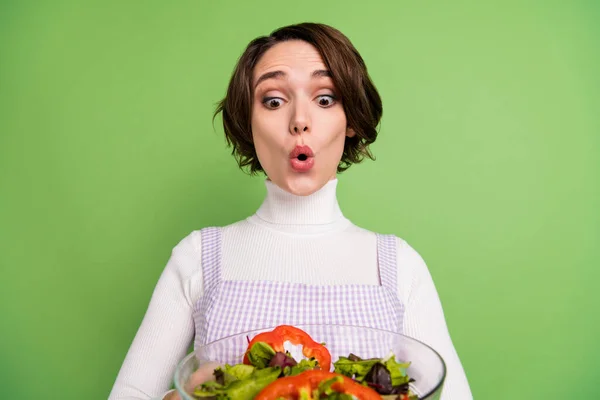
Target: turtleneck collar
[{"x": 283, "y": 208}]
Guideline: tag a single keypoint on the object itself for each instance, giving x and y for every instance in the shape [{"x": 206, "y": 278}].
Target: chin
[{"x": 303, "y": 184}]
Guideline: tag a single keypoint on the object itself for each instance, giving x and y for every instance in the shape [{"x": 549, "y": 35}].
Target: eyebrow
[
  {"x": 321, "y": 73},
  {"x": 270, "y": 75},
  {"x": 280, "y": 74}
]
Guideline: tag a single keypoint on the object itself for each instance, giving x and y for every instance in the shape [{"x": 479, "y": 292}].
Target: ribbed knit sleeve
[
  {"x": 424, "y": 318},
  {"x": 167, "y": 328}
]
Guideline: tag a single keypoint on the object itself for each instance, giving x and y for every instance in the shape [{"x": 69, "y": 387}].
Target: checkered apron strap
[
  {"x": 387, "y": 256},
  {"x": 387, "y": 260},
  {"x": 211, "y": 257},
  {"x": 211, "y": 274}
]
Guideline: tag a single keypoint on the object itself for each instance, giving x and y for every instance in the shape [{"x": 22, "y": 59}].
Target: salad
[{"x": 269, "y": 372}]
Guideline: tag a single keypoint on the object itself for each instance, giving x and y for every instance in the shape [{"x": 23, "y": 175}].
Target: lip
[
  {"x": 302, "y": 165},
  {"x": 306, "y": 150}
]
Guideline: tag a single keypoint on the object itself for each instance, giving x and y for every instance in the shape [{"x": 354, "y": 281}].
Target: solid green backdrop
[{"x": 487, "y": 163}]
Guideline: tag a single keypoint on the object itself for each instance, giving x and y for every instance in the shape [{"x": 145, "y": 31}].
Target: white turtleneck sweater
[{"x": 322, "y": 248}]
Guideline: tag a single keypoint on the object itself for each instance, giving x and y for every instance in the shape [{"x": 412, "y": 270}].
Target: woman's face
[{"x": 298, "y": 123}]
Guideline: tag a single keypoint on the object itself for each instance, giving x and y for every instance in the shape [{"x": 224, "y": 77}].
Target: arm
[
  {"x": 167, "y": 329},
  {"x": 424, "y": 318}
]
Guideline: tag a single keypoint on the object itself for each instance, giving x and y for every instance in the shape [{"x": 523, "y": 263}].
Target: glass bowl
[{"x": 427, "y": 367}]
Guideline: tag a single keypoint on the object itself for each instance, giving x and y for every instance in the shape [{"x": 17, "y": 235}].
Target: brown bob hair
[{"x": 360, "y": 99}]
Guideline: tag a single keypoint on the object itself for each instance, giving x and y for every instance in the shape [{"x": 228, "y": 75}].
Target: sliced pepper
[
  {"x": 310, "y": 348},
  {"x": 304, "y": 385},
  {"x": 296, "y": 336}
]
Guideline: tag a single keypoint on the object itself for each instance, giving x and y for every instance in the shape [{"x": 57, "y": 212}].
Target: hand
[
  {"x": 201, "y": 375},
  {"x": 172, "y": 396}
]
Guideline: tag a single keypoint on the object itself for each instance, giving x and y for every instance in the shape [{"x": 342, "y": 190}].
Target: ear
[{"x": 350, "y": 132}]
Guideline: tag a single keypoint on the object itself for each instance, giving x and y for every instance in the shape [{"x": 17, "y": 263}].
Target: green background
[{"x": 487, "y": 163}]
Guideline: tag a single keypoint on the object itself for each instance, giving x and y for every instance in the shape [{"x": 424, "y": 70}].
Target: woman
[{"x": 301, "y": 108}]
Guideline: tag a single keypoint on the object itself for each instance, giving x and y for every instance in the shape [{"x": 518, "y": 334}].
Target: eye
[
  {"x": 326, "y": 100},
  {"x": 272, "y": 102}
]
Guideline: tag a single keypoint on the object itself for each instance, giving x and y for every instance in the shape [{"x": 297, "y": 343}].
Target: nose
[
  {"x": 300, "y": 121},
  {"x": 298, "y": 128}
]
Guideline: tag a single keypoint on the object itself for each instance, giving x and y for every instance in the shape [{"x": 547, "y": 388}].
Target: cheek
[
  {"x": 335, "y": 126},
  {"x": 266, "y": 137},
  {"x": 261, "y": 144},
  {"x": 267, "y": 124},
  {"x": 259, "y": 129}
]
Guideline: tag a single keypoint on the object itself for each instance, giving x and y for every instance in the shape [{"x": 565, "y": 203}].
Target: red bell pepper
[
  {"x": 296, "y": 336},
  {"x": 292, "y": 387}
]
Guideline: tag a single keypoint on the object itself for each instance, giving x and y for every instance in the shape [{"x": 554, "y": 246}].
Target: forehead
[{"x": 295, "y": 56}]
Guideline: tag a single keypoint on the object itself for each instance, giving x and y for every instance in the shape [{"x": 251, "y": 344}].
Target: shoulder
[
  {"x": 410, "y": 262},
  {"x": 186, "y": 257},
  {"x": 407, "y": 254},
  {"x": 413, "y": 272},
  {"x": 411, "y": 267},
  {"x": 185, "y": 264},
  {"x": 189, "y": 246},
  {"x": 405, "y": 251}
]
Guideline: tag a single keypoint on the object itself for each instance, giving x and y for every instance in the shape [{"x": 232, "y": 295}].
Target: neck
[{"x": 281, "y": 208}]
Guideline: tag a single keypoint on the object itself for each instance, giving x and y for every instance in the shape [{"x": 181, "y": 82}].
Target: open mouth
[{"x": 301, "y": 158}]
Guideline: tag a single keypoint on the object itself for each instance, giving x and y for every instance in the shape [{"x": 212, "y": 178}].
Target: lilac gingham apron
[{"x": 232, "y": 307}]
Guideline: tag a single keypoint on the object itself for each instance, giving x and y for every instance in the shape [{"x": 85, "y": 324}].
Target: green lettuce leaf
[
  {"x": 260, "y": 354},
  {"x": 208, "y": 389},
  {"x": 248, "y": 388},
  {"x": 240, "y": 389},
  {"x": 303, "y": 365},
  {"x": 397, "y": 371},
  {"x": 235, "y": 372},
  {"x": 354, "y": 369}
]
